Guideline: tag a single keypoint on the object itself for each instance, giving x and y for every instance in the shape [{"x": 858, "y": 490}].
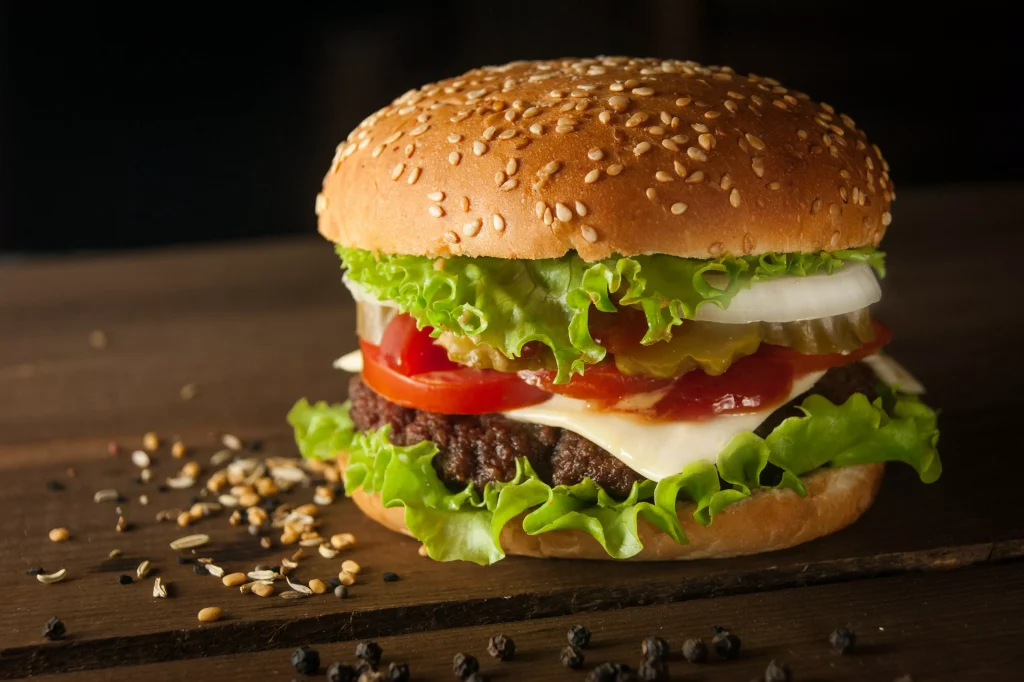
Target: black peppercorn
[
  {"x": 776, "y": 672},
  {"x": 125, "y": 579},
  {"x": 398, "y": 672},
  {"x": 390, "y": 577},
  {"x": 200, "y": 569},
  {"x": 578, "y": 636},
  {"x": 341, "y": 592},
  {"x": 572, "y": 657},
  {"x": 306, "y": 661},
  {"x": 653, "y": 670},
  {"x": 842, "y": 640},
  {"x": 695, "y": 651},
  {"x": 55, "y": 486},
  {"x": 38, "y": 570},
  {"x": 606, "y": 672},
  {"x": 654, "y": 647},
  {"x": 255, "y": 445},
  {"x": 370, "y": 652},
  {"x": 501, "y": 647},
  {"x": 333, "y": 582},
  {"x": 341, "y": 672},
  {"x": 727, "y": 645},
  {"x": 464, "y": 665},
  {"x": 54, "y": 629}
]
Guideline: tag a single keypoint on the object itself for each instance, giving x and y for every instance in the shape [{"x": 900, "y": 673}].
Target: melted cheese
[{"x": 652, "y": 449}]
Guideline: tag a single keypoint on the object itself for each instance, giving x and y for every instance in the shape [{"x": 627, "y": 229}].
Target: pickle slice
[{"x": 709, "y": 346}]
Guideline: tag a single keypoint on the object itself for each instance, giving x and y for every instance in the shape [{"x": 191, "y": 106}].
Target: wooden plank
[
  {"x": 955, "y": 626},
  {"x": 911, "y": 528}
]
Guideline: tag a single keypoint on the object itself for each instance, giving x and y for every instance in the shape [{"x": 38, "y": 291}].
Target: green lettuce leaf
[
  {"x": 507, "y": 303},
  {"x": 466, "y": 524}
]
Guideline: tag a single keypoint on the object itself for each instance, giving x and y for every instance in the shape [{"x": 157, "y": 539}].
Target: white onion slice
[{"x": 788, "y": 299}]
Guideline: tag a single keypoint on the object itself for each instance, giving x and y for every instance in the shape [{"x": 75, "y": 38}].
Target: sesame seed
[
  {"x": 699, "y": 127},
  {"x": 461, "y": 116},
  {"x": 651, "y": 194},
  {"x": 498, "y": 222},
  {"x": 715, "y": 249},
  {"x": 419, "y": 130},
  {"x": 509, "y": 184},
  {"x": 436, "y": 211},
  {"x": 557, "y": 94},
  {"x": 614, "y": 169},
  {"x": 409, "y": 149},
  {"x": 643, "y": 92},
  {"x": 592, "y": 176},
  {"x": 678, "y": 208},
  {"x": 581, "y": 208},
  {"x": 451, "y": 237},
  {"x": 683, "y": 101},
  {"x": 886, "y": 219},
  {"x": 472, "y": 228},
  {"x": 707, "y": 141},
  {"x": 802, "y": 134},
  {"x": 670, "y": 145},
  {"x": 378, "y": 150},
  {"x": 499, "y": 177},
  {"x": 595, "y": 154},
  {"x": 604, "y": 117},
  {"x": 731, "y": 106},
  {"x": 780, "y": 104},
  {"x": 539, "y": 208},
  {"x": 662, "y": 176},
  {"x": 710, "y": 115},
  {"x": 454, "y": 158},
  {"x": 618, "y": 102},
  {"x": 665, "y": 118},
  {"x": 631, "y": 83},
  {"x": 734, "y": 198},
  {"x": 510, "y": 115},
  {"x": 642, "y": 148},
  {"x": 565, "y": 129},
  {"x": 679, "y": 168},
  {"x": 568, "y": 106},
  {"x": 844, "y": 194},
  {"x": 726, "y": 182},
  {"x": 479, "y": 148},
  {"x": 551, "y": 167},
  {"x": 816, "y": 206},
  {"x": 616, "y": 87},
  {"x": 488, "y": 133},
  {"x": 656, "y": 130},
  {"x": 696, "y": 154},
  {"x": 563, "y": 212},
  {"x": 549, "y": 217},
  {"x": 754, "y": 141},
  {"x": 397, "y": 171},
  {"x": 436, "y": 196},
  {"x": 757, "y": 163},
  {"x": 531, "y": 112},
  {"x": 588, "y": 233},
  {"x": 774, "y": 184},
  {"x": 512, "y": 166},
  {"x": 454, "y": 137},
  {"x": 414, "y": 175},
  {"x": 695, "y": 177},
  {"x": 537, "y": 129}
]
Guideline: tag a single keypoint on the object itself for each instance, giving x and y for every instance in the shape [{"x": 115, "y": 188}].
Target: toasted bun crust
[
  {"x": 603, "y": 156},
  {"x": 766, "y": 521}
]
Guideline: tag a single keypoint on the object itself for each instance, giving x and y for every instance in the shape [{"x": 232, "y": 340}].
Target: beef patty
[{"x": 484, "y": 448}]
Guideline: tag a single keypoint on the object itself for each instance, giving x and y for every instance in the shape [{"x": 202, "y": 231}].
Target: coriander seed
[
  {"x": 578, "y": 636},
  {"x": 842, "y": 640}
]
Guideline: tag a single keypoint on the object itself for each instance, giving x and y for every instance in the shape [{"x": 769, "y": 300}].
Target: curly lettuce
[
  {"x": 507, "y": 303},
  {"x": 466, "y": 524}
]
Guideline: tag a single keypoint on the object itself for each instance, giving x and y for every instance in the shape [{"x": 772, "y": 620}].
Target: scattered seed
[
  {"x": 200, "y": 569},
  {"x": 390, "y": 577},
  {"x": 263, "y": 574},
  {"x": 327, "y": 552},
  {"x": 695, "y": 651},
  {"x": 263, "y": 589},
  {"x": 59, "y": 534},
  {"x": 776, "y": 672},
  {"x": 301, "y": 589},
  {"x": 214, "y": 570},
  {"x": 188, "y": 391},
  {"x": 98, "y": 339},
  {"x": 317, "y": 586},
  {"x": 678, "y": 208},
  {"x": 234, "y": 579},
  {"x": 347, "y": 579},
  {"x": 842, "y": 640},
  {"x": 180, "y": 482},
  {"x": 343, "y": 541},
  {"x": 143, "y": 569},
  {"x": 501, "y": 647},
  {"x": 654, "y": 647},
  {"x": 184, "y": 519},
  {"x": 573, "y": 658},
  {"x": 114, "y": 553},
  {"x": 350, "y": 567},
  {"x": 140, "y": 459},
  {"x": 293, "y": 595},
  {"x": 108, "y": 495},
  {"x": 190, "y": 541},
  {"x": 125, "y": 579},
  {"x": 52, "y": 577},
  {"x": 726, "y": 644},
  {"x": 210, "y": 614},
  {"x": 341, "y": 592},
  {"x": 151, "y": 441},
  {"x": 54, "y": 629},
  {"x": 464, "y": 665},
  {"x": 159, "y": 589},
  {"x": 121, "y": 525},
  {"x": 578, "y": 636},
  {"x": 422, "y": 551},
  {"x": 178, "y": 450}
]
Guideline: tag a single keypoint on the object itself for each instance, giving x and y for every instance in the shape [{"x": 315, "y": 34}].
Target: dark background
[{"x": 177, "y": 123}]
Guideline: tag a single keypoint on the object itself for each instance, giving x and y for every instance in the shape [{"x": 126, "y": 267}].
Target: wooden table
[{"x": 928, "y": 578}]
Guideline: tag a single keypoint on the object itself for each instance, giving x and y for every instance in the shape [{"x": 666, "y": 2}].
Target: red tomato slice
[
  {"x": 456, "y": 391},
  {"x": 410, "y": 351},
  {"x": 601, "y": 382},
  {"x": 748, "y": 385}
]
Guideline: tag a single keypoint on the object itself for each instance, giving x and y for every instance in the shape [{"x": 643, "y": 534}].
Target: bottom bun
[{"x": 769, "y": 519}]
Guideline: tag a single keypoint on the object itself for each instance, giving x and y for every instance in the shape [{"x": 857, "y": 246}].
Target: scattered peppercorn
[
  {"x": 501, "y": 647},
  {"x": 125, "y": 579},
  {"x": 398, "y": 672},
  {"x": 54, "y": 485},
  {"x": 572, "y": 657},
  {"x": 306, "y": 661},
  {"x": 341, "y": 592},
  {"x": 200, "y": 569},
  {"x": 607, "y": 672},
  {"x": 370, "y": 652},
  {"x": 334, "y": 582},
  {"x": 341, "y": 672},
  {"x": 578, "y": 636},
  {"x": 653, "y": 670},
  {"x": 255, "y": 445},
  {"x": 776, "y": 672},
  {"x": 37, "y": 570},
  {"x": 695, "y": 650},
  {"x": 727, "y": 645},
  {"x": 464, "y": 665},
  {"x": 842, "y": 640},
  {"x": 654, "y": 647},
  {"x": 390, "y": 577},
  {"x": 54, "y": 629}
]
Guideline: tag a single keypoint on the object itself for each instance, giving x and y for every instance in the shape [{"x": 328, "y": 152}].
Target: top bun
[{"x": 605, "y": 156}]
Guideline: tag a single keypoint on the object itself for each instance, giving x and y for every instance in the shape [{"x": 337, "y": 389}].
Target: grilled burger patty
[{"x": 484, "y": 448}]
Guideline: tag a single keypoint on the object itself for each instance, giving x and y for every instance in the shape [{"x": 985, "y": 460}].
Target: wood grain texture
[
  {"x": 955, "y": 626},
  {"x": 256, "y": 326}
]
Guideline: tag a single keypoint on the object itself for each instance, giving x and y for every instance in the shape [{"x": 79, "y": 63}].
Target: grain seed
[
  {"x": 210, "y": 614},
  {"x": 346, "y": 578},
  {"x": 263, "y": 589},
  {"x": 190, "y": 541},
  {"x": 59, "y": 534},
  {"x": 151, "y": 441},
  {"x": 263, "y": 574},
  {"x": 215, "y": 571},
  {"x": 108, "y": 495},
  {"x": 140, "y": 459},
  {"x": 343, "y": 541},
  {"x": 234, "y": 579},
  {"x": 327, "y": 552},
  {"x": 52, "y": 577},
  {"x": 293, "y": 595},
  {"x": 143, "y": 570},
  {"x": 159, "y": 589},
  {"x": 178, "y": 450},
  {"x": 350, "y": 567},
  {"x": 317, "y": 586}
]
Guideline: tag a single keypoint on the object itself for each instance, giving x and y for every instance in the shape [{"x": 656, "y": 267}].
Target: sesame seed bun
[
  {"x": 605, "y": 156},
  {"x": 766, "y": 521}
]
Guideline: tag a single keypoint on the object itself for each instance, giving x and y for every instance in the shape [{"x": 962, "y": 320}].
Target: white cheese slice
[{"x": 652, "y": 449}]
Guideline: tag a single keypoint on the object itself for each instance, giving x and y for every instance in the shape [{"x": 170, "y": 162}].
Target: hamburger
[{"x": 613, "y": 308}]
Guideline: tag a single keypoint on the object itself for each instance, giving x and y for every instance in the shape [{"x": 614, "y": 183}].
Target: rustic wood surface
[{"x": 256, "y": 326}]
